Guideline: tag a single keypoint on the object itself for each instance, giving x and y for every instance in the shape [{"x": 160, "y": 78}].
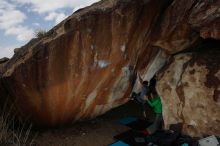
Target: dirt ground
[
  {"x": 94, "y": 133},
  {"x": 97, "y": 132}
]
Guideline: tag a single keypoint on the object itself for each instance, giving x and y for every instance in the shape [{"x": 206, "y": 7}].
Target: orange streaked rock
[{"x": 82, "y": 67}]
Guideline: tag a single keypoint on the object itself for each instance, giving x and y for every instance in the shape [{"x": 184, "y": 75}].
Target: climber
[
  {"x": 149, "y": 95},
  {"x": 153, "y": 83},
  {"x": 154, "y": 102},
  {"x": 141, "y": 97}
]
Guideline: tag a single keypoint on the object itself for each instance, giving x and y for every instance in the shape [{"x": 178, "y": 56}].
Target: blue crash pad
[
  {"x": 135, "y": 123},
  {"x": 127, "y": 120},
  {"x": 119, "y": 143}
]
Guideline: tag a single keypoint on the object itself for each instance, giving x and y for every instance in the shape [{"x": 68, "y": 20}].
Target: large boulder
[
  {"x": 190, "y": 89},
  {"x": 83, "y": 67},
  {"x": 184, "y": 22}
]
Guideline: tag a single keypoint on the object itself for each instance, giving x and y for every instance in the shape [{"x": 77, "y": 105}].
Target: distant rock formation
[{"x": 85, "y": 65}]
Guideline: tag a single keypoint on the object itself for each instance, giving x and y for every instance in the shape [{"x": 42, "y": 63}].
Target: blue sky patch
[{"x": 20, "y": 19}]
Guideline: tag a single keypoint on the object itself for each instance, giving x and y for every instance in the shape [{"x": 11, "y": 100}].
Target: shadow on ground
[{"x": 96, "y": 132}]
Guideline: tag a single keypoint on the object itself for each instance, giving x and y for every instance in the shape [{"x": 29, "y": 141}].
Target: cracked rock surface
[{"x": 190, "y": 91}]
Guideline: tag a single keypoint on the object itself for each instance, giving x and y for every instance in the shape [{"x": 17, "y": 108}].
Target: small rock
[
  {"x": 3, "y": 60},
  {"x": 83, "y": 134},
  {"x": 16, "y": 50}
]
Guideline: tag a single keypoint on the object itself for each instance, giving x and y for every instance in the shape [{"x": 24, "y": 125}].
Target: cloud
[
  {"x": 13, "y": 17},
  {"x": 7, "y": 51},
  {"x": 58, "y": 17},
  {"x": 43, "y": 6},
  {"x": 9, "y": 18},
  {"x": 11, "y": 21},
  {"x": 53, "y": 9},
  {"x": 5, "y": 4},
  {"x": 77, "y": 8},
  {"x": 36, "y": 24},
  {"x": 22, "y": 33}
]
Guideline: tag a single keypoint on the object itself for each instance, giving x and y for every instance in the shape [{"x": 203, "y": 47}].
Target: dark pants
[
  {"x": 156, "y": 124},
  {"x": 137, "y": 98},
  {"x": 158, "y": 117}
]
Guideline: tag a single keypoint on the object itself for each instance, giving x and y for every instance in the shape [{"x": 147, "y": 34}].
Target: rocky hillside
[{"x": 85, "y": 65}]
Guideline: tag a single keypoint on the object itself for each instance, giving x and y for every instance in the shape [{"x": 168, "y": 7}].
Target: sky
[{"x": 20, "y": 19}]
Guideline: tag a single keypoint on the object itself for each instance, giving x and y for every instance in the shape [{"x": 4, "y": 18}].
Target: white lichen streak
[
  {"x": 120, "y": 86},
  {"x": 103, "y": 63},
  {"x": 117, "y": 91},
  {"x": 90, "y": 99},
  {"x": 123, "y": 48},
  {"x": 154, "y": 66}
]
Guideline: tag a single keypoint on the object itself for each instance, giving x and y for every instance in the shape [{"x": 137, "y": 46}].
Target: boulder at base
[{"x": 190, "y": 91}]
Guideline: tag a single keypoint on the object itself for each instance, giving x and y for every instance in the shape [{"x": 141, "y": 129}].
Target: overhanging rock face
[
  {"x": 185, "y": 21},
  {"x": 82, "y": 67},
  {"x": 190, "y": 91}
]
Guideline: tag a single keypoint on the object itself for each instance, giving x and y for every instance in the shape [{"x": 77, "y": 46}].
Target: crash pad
[
  {"x": 164, "y": 138},
  {"x": 132, "y": 138},
  {"x": 160, "y": 138},
  {"x": 119, "y": 143},
  {"x": 127, "y": 120},
  {"x": 135, "y": 123},
  {"x": 139, "y": 124}
]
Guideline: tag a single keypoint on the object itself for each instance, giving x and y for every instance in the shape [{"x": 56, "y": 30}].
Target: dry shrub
[
  {"x": 40, "y": 33},
  {"x": 12, "y": 131}
]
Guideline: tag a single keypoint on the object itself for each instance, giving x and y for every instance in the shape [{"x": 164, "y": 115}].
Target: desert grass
[
  {"x": 40, "y": 33},
  {"x": 12, "y": 131}
]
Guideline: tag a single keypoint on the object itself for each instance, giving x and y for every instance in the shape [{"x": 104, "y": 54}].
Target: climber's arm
[
  {"x": 152, "y": 103},
  {"x": 140, "y": 79},
  {"x": 149, "y": 102}
]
